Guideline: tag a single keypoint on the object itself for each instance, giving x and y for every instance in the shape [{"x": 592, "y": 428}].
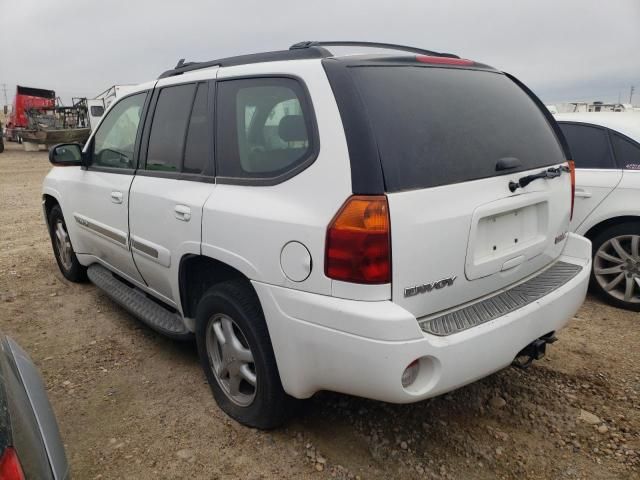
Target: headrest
[{"x": 292, "y": 128}]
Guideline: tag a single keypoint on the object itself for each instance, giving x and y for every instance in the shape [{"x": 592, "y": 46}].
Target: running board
[{"x": 138, "y": 304}]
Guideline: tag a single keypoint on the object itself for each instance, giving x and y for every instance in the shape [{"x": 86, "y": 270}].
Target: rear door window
[
  {"x": 438, "y": 126},
  {"x": 169, "y": 127},
  {"x": 589, "y": 145},
  {"x": 627, "y": 152},
  {"x": 197, "y": 147},
  {"x": 265, "y": 128}
]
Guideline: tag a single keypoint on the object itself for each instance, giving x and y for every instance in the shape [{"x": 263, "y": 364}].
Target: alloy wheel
[
  {"x": 65, "y": 251},
  {"x": 231, "y": 360},
  {"x": 616, "y": 267}
]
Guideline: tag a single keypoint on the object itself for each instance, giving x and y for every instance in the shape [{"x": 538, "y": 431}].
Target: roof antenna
[{"x": 180, "y": 63}]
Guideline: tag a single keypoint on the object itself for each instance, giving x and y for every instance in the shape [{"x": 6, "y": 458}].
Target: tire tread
[
  {"x": 272, "y": 405},
  {"x": 77, "y": 273}
]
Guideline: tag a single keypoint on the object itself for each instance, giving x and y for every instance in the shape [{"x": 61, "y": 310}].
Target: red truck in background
[{"x": 26, "y": 97}]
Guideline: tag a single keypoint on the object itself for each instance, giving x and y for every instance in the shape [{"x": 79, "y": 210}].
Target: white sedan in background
[{"x": 606, "y": 150}]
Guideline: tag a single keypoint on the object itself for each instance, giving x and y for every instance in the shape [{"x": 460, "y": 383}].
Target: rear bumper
[{"x": 362, "y": 348}]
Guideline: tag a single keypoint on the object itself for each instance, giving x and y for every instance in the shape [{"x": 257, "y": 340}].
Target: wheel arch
[
  {"x": 596, "y": 229},
  {"x": 198, "y": 273},
  {"x": 48, "y": 202}
]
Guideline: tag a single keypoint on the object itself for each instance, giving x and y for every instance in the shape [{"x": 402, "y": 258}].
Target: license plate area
[{"x": 505, "y": 234}]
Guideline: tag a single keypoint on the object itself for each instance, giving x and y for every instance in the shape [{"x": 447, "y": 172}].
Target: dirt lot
[{"x": 132, "y": 404}]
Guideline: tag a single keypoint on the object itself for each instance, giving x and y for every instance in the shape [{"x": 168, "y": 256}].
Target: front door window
[{"x": 115, "y": 139}]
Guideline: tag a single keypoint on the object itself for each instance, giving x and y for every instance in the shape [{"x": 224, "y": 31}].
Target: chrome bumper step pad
[
  {"x": 138, "y": 304},
  {"x": 502, "y": 303}
]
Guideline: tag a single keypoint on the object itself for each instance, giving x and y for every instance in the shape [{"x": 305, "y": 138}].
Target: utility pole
[
  {"x": 4, "y": 89},
  {"x": 631, "y": 90}
]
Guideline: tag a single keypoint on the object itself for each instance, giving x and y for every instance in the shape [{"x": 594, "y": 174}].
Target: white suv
[
  {"x": 606, "y": 150},
  {"x": 388, "y": 226}
]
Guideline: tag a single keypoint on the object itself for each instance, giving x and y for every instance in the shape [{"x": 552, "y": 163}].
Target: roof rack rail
[
  {"x": 389, "y": 46},
  {"x": 300, "y": 54},
  {"x": 298, "y": 51}
]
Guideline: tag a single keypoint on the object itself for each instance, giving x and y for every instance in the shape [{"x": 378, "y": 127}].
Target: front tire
[
  {"x": 616, "y": 265},
  {"x": 237, "y": 357},
  {"x": 66, "y": 258}
]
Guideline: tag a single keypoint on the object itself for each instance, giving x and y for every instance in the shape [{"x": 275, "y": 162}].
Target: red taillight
[
  {"x": 10, "y": 468},
  {"x": 572, "y": 172},
  {"x": 443, "y": 60},
  {"x": 358, "y": 245}
]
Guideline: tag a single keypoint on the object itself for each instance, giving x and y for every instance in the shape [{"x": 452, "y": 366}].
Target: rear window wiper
[{"x": 552, "y": 172}]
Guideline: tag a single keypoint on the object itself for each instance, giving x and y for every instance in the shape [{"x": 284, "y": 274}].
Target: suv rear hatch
[{"x": 444, "y": 135}]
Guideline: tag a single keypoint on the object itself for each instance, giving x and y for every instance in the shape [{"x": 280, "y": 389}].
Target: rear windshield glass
[{"x": 438, "y": 126}]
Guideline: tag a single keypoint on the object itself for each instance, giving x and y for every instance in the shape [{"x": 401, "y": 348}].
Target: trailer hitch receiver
[{"x": 534, "y": 351}]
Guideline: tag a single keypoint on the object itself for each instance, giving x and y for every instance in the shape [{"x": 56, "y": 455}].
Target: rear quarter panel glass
[{"x": 627, "y": 152}]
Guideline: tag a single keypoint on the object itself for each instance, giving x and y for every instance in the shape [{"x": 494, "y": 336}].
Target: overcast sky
[{"x": 562, "y": 49}]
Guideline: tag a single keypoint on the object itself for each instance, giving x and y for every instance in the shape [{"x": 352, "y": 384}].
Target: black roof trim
[
  {"x": 389, "y": 46},
  {"x": 366, "y": 168},
  {"x": 299, "y": 54}
]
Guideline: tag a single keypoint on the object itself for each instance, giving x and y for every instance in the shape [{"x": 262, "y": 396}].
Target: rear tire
[
  {"x": 615, "y": 276},
  {"x": 237, "y": 357},
  {"x": 66, "y": 258}
]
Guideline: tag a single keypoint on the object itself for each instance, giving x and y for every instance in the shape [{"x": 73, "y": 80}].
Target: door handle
[
  {"x": 581, "y": 192},
  {"x": 116, "y": 197},
  {"x": 182, "y": 212}
]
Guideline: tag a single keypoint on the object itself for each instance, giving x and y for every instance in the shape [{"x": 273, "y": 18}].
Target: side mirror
[{"x": 66, "y": 155}]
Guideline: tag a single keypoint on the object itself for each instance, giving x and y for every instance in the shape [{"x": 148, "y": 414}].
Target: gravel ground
[{"x": 132, "y": 404}]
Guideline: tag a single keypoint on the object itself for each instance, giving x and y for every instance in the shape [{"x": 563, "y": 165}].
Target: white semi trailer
[{"x": 101, "y": 102}]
